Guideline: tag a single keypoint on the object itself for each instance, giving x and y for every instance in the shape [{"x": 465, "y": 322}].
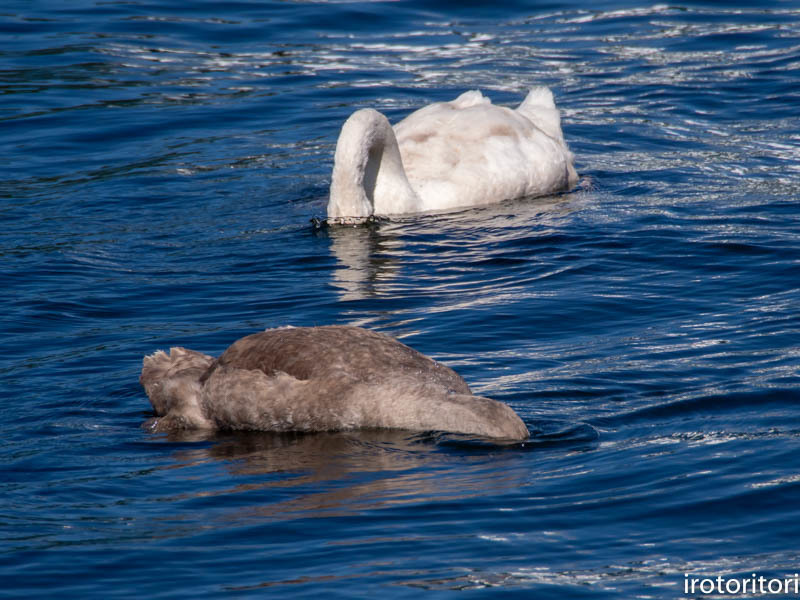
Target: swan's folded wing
[{"x": 478, "y": 155}]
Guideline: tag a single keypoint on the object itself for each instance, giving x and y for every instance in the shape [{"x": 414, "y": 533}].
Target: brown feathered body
[{"x": 318, "y": 379}]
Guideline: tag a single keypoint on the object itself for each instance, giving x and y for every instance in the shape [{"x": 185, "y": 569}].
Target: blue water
[{"x": 160, "y": 164}]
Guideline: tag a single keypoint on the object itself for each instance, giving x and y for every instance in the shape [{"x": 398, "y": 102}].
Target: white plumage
[{"x": 467, "y": 152}]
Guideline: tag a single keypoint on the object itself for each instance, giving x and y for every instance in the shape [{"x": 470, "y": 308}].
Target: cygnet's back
[
  {"x": 334, "y": 352},
  {"x": 318, "y": 379}
]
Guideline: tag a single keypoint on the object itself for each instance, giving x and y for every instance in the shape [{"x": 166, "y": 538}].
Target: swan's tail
[{"x": 540, "y": 107}]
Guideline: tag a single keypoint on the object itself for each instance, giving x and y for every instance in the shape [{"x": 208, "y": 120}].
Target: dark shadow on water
[{"x": 544, "y": 434}]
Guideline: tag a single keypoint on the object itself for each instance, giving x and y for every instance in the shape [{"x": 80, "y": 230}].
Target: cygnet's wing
[{"x": 333, "y": 353}]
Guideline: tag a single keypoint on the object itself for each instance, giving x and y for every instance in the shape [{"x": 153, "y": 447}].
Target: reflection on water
[
  {"x": 345, "y": 473},
  {"x": 364, "y": 258},
  {"x": 374, "y": 259}
]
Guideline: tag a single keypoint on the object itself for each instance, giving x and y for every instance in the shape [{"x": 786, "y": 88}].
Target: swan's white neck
[{"x": 368, "y": 174}]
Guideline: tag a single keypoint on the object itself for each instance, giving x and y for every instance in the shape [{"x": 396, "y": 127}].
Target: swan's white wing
[{"x": 469, "y": 152}]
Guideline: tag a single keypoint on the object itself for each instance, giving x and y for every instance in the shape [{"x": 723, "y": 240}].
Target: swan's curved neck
[{"x": 368, "y": 175}]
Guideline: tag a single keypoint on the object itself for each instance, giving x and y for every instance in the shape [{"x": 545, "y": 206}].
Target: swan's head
[{"x": 368, "y": 176}]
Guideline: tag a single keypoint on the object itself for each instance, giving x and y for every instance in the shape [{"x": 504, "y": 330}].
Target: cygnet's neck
[{"x": 368, "y": 174}]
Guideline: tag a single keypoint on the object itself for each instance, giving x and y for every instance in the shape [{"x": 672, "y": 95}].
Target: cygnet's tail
[{"x": 172, "y": 380}]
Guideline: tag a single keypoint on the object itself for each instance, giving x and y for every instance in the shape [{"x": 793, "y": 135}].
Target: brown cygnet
[{"x": 318, "y": 379}]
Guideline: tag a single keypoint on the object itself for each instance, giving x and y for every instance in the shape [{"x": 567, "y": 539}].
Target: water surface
[{"x": 161, "y": 164}]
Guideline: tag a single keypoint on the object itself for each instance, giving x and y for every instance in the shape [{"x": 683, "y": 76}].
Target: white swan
[
  {"x": 466, "y": 152},
  {"x": 318, "y": 379}
]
